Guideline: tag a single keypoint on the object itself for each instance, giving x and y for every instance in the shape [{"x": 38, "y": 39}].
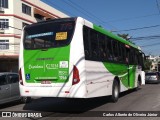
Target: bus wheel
[
  {"x": 26, "y": 100},
  {"x": 115, "y": 91}
]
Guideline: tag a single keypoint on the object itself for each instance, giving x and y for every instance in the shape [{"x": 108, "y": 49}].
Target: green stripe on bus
[{"x": 121, "y": 70}]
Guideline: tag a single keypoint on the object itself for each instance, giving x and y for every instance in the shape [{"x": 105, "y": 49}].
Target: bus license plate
[{"x": 46, "y": 82}]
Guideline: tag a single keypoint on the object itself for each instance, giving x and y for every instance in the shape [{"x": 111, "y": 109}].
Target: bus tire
[
  {"x": 115, "y": 91},
  {"x": 26, "y": 100}
]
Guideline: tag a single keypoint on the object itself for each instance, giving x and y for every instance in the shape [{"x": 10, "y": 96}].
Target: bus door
[{"x": 128, "y": 62}]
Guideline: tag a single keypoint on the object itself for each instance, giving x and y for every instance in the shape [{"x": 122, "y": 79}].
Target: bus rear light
[
  {"x": 20, "y": 77},
  {"x": 66, "y": 91},
  {"x": 76, "y": 78},
  {"x": 27, "y": 91}
]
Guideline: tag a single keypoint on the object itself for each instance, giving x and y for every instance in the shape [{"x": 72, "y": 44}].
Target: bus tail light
[
  {"x": 20, "y": 77},
  {"x": 76, "y": 78},
  {"x": 157, "y": 77}
]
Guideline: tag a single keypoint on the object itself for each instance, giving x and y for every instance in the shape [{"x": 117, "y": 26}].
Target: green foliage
[
  {"x": 126, "y": 37},
  {"x": 147, "y": 65}
]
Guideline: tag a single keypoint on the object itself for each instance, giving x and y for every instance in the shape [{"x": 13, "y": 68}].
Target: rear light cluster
[
  {"x": 20, "y": 77},
  {"x": 157, "y": 77},
  {"x": 76, "y": 78}
]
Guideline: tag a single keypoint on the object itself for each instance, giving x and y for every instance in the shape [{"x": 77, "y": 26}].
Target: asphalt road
[{"x": 147, "y": 98}]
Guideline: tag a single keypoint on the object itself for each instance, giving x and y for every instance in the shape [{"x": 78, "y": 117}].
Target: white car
[{"x": 152, "y": 77}]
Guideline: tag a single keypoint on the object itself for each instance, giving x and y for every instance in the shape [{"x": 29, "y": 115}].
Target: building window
[
  {"x": 4, "y": 44},
  {"x": 4, "y": 23},
  {"x": 4, "y": 3},
  {"x": 24, "y": 24},
  {"x": 26, "y": 9}
]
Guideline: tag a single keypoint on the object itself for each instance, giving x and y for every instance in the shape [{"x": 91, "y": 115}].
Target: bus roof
[
  {"x": 97, "y": 28},
  {"x": 110, "y": 34}
]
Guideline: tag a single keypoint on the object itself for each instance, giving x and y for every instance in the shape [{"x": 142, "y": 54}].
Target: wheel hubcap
[{"x": 116, "y": 91}]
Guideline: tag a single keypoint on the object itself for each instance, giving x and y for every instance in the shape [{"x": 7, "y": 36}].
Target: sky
[{"x": 138, "y": 18}]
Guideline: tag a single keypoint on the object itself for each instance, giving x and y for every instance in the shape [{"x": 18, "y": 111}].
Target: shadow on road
[
  {"x": 130, "y": 92},
  {"x": 64, "y": 105},
  {"x": 10, "y": 104}
]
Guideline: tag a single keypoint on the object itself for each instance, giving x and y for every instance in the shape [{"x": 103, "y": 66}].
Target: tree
[
  {"x": 147, "y": 64},
  {"x": 126, "y": 37}
]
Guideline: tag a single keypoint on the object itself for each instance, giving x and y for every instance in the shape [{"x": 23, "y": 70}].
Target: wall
[{"x": 9, "y": 58}]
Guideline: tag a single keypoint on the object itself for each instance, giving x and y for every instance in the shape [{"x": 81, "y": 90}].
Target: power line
[
  {"x": 138, "y": 28},
  {"x": 51, "y": 3},
  {"x": 151, "y": 44},
  {"x": 146, "y": 37},
  {"x": 114, "y": 20},
  {"x": 85, "y": 12},
  {"x": 144, "y": 16},
  {"x": 75, "y": 8},
  {"x": 92, "y": 15},
  {"x": 149, "y": 50},
  {"x": 131, "y": 18}
]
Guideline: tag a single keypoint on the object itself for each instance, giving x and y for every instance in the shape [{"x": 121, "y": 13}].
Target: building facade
[
  {"x": 14, "y": 15},
  {"x": 155, "y": 62}
]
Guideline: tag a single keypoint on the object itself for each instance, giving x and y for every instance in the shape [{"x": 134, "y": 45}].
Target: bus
[{"x": 74, "y": 58}]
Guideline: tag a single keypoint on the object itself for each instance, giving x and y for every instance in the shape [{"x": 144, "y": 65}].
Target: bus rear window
[{"x": 48, "y": 34}]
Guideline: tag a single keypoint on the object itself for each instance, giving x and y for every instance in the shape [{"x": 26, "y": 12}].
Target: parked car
[
  {"x": 9, "y": 88},
  {"x": 152, "y": 77}
]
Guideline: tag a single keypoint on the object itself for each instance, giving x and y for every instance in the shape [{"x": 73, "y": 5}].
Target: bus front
[{"x": 44, "y": 65}]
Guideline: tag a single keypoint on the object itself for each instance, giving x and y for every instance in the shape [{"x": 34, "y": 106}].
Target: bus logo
[{"x": 63, "y": 64}]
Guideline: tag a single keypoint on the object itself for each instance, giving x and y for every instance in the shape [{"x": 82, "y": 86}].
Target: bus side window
[
  {"x": 140, "y": 59},
  {"x": 94, "y": 44},
  {"x": 132, "y": 56},
  {"x": 32, "y": 43},
  {"x": 102, "y": 47},
  {"x": 124, "y": 56},
  {"x": 109, "y": 49},
  {"x": 136, "y": 56},
  {"x": 115, "y": 50},
  {"x": 86, "y": 41},
  {"x": 120, "y": 55}
]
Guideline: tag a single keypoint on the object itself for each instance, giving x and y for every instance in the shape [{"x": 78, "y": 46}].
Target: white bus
[{"x": 74, "y": 58}]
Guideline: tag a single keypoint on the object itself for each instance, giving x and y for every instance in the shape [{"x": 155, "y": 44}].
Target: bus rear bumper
[{"x": 64, "y": 92}]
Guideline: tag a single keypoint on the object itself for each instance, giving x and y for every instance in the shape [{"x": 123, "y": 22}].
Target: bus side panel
[
  {"x": 120, "y": 71},
  {"x": 77, "y": 59},
  {"x": 99, "y": 80},
  {"x": 134, "y": 72},
  {"x": 142, "y": 73}
]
